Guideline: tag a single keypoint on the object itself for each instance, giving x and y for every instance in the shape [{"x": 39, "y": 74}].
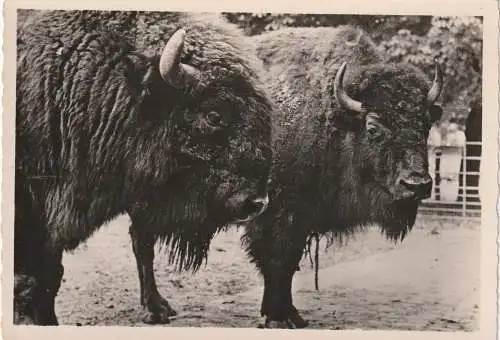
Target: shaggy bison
[
  {"x": 349, "y": 147},
  {"x": 158, "y": 115}
]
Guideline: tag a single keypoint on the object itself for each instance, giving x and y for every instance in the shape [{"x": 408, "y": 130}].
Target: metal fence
[{"x": 456, "y": 188}]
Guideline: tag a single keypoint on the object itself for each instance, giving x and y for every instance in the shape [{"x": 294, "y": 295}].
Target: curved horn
[
  {"x": 172, "y": 70},
  {"x": 437, "y": 85},
  {"x": 340, "y": 96}
]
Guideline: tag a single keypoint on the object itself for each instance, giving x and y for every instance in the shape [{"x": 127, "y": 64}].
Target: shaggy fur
[
  {"x": 100, "y": 133},
  {"x": 331, "y": 177}
]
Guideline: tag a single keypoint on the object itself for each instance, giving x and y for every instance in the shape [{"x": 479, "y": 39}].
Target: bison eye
[
  {"x": 375, "y": 133},
  {"x": 214, "y": 118},
  {"x": 372, "y": 130}
]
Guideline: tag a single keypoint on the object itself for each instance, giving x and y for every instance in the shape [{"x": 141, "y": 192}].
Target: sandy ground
[{"x": 429, "y": 282}]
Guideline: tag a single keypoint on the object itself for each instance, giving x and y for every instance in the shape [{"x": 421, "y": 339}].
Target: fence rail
[{"x": 456, "y": 186}]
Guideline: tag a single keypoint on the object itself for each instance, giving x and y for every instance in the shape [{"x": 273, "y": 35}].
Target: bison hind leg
[
  {"x": 24, "y": 291},
  {"x": 35, "y": 290},
  {"x": 38, "y": 269}
]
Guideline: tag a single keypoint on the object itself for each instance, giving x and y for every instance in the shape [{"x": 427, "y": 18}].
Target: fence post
[{"x": 464, "y": 178}]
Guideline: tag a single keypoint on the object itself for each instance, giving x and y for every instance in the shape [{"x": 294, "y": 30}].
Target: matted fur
[
  {"x": 324, "y": 164},
  {"x": 100, "y": 133}
]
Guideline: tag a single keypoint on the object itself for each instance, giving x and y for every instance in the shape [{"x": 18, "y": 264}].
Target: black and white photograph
[{"x": 261, "y": 170}]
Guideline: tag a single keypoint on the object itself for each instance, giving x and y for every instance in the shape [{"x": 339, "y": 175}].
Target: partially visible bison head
[
  {"x": 391, "y": 126},
  {"x": 214, "y": 168}
]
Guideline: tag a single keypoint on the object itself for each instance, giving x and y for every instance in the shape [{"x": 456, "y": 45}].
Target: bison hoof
[
  {"x": 293, "y": 321},
  {"x": 20, "y": 319},
  {"x": 275, "y": 324},
  {"x": 287, "y": 324},
  {"x": 158, "y": 311},
  {"x": 159, "y": 318},
  {"x": 166, "y": 308},
  {"x": 156, "y": 318},
  {"x": 297, "y": 320}
]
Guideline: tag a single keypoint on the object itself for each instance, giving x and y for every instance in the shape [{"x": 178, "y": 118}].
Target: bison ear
[
  {"x": 174, "y": 72},
  {"x": 436, "y": 112}
]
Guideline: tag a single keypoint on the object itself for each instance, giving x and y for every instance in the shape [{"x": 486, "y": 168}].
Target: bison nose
[
  {"x": 416, "y": 185},
  {"x": 252, "y": 208}
]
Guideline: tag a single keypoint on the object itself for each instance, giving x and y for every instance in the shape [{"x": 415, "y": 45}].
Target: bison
[
  {"x": 159, "y": 115},
  {"x": 349, "y": 142}
]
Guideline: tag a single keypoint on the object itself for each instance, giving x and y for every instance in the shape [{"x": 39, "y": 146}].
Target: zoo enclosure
[{"x": 455, "y": 171}]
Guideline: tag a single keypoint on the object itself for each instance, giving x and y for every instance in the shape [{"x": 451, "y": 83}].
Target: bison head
[
  {"x": 206, "y": 148},
  {"x": 393, "y": 109}
]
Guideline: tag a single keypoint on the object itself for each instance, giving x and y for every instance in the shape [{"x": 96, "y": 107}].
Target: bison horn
[
  {"x": 172, "y": 70},
  {"x": 341, "y": 96},
  {"x": 437, "y": 85}
]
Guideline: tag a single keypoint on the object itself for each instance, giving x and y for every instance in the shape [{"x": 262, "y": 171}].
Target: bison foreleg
[
  {"x": 277, "y": 251},
  {"x": 277, "y": 304},
  {"x": 157, "y": 308}
]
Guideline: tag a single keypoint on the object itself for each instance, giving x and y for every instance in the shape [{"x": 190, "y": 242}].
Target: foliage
[
  {"x": 456, "y": 43},
  {"x": 381, "y": 27}
]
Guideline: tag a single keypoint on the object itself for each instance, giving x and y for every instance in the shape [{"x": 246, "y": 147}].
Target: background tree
[{"x": 456, "y": 42}]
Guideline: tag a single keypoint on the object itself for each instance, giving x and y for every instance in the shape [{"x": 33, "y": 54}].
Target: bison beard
[
  {"x": 126, "y": 112},
  {"x": 343, "y": 158}
]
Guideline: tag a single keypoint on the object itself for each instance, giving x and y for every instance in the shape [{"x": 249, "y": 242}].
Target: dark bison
[
  {"x": 350, "y": 149},
  {"x": 473, "y": 133},
  {"x": 158, "y": 115}
]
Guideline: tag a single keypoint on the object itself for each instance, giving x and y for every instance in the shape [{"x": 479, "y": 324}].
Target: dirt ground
[{"x": 429, "y": 282}]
